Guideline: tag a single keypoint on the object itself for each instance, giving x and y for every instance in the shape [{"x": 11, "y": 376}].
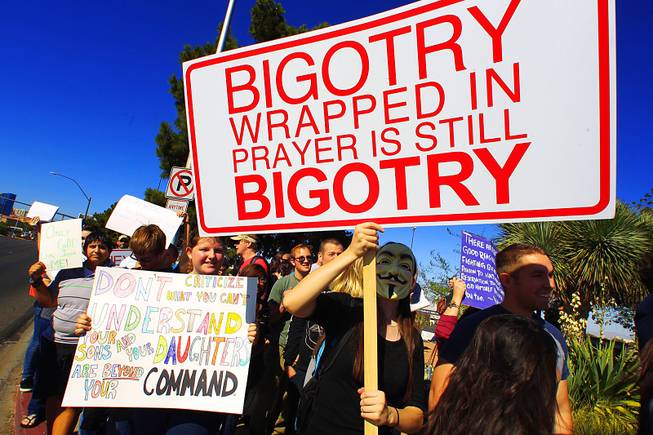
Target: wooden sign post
[{"x": 371, "y": 376}]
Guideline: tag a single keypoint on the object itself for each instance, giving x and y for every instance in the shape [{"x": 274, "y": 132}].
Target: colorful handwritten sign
[
  {"x": 478, "y": 270},
  {"x": 61, "y": 245},
  {"x": 164, "y": 340}
]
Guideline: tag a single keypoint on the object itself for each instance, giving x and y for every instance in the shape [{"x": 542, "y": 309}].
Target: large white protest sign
[
  {"x": 436, "y": 112},
  {"x": 45, "y": 212},
  {"x": 130, "y": 213},
  {"x": 164, "y": 340},
  {"x": 60, "y": 245}
]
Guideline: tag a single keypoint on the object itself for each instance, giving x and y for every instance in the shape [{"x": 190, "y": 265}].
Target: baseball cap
[{"x": 247, "y": 237}]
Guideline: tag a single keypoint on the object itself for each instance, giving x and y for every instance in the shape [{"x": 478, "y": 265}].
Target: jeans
[{"x": 31, "y": 354}]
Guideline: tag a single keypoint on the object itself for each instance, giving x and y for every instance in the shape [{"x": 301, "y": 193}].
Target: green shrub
[{"x": 603, "y": 387}]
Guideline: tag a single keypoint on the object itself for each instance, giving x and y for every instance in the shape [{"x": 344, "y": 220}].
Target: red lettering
[
  {"x": 439, "y": 99},
  {"x": 328, "y": 116},
  {"x": 258, "y": 196},
  {"x": 235, "y": 158},
  {"x": 278, "y": 194},
  {"x": 365, "y": 68},
  {"x": 450, "y": 44},
  {"x": 319, "y": 150},
  {"x": 400, "y": 165},
  {"x": 500, "y": 174},
  {"x": 481, "y": 128},
  {"x": 455, "y": 181},
  {"x": 322, "y": 195},
  {"x": 357, "y": 111},
  {"x": 506, "y": 127},
  {"x": 492, "y": 76},
  {"x": 432, "y": 138},
  {"x": 495, "y": 33},
  {"x": 310, "y": 78},
  {"x": 372, "y": 183},
  {"x": 387, "y": 105},
  {"x": 231, "y": 88},
  {"x": 245, "y": 123},
  {"x": 389, "y": 38},
  {"x": 306, "y": 112},
  {"x": 281, "y": 123}
]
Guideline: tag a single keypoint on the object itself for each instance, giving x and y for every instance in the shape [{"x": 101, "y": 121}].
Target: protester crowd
[{"x": 306, "y": 369}]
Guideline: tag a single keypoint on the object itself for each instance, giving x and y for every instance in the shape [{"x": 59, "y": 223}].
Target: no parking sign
[{"x": 180, "y": 184}]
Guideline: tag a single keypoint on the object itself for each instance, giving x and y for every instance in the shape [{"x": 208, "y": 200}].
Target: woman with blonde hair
[{"x": 341, "y": 404}]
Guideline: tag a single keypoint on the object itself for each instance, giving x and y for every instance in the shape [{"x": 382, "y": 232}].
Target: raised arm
[
  {"x": 43, "y": 294},
  {"x": 300, "y": 301}
]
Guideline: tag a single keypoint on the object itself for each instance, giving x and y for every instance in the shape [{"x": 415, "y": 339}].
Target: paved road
[{"x": 16, "y": 255}]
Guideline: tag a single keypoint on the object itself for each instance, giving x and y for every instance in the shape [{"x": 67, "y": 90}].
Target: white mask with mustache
[{"x": 395, "y": 270}]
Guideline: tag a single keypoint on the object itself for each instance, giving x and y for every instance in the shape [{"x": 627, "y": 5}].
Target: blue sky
[{"x": 86, "y": 88}]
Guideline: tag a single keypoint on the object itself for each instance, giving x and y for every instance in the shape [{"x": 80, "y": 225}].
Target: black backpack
[{"x": 309, "y": 392}]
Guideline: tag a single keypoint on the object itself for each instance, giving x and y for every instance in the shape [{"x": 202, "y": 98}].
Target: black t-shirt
[
  {"x": 336, "y": 408},
  {"x": 463, "y": 334}
]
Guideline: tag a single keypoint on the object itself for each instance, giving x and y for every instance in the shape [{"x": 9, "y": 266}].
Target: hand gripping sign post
[{"x": 439, "y": 112}]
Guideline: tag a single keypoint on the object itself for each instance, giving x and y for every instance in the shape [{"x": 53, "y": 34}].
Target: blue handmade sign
[{"x": 478, "y": 270}]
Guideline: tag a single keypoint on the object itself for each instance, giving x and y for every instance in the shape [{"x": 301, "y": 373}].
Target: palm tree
[{"x": 599, "y": 259}]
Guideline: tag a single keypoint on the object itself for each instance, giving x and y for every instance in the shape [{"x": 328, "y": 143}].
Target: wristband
[
  {"x": 397, "y": 410},
  {"x": 453, "y": 305}
]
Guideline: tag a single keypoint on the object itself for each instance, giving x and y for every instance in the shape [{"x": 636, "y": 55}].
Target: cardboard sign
[
  {"x": 180, "y": 184},
  {"x": 130, "y": 213},
  {"x": 478, "y": 270},
  {"x": 117, "y": 255},
  {"x": 45, "y": 212},
  {"x": 438, "y": 112},
  {"x": 164, "y": 340},
  {"x": 60, "y": 246},
  {"x": 177, "y": 205}
]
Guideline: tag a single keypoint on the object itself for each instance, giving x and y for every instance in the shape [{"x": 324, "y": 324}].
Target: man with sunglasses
[{"x": 301, "y": 258}]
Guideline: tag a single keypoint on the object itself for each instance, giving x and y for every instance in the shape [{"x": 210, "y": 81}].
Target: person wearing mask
[{"x": 341, "y": 403}]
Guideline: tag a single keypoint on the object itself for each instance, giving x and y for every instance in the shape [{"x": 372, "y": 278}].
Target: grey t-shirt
[{"x": 72, "y": 287}]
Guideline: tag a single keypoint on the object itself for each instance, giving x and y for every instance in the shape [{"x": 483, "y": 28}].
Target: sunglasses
[{"x": 303, "y": 259}]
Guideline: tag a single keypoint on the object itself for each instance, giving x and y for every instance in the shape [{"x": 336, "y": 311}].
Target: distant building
[{"x": 7, "y": 203}]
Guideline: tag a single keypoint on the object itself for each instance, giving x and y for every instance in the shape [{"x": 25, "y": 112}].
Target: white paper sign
[
  {"x": 130, "y": 213},
  {"x": 60, "y": 246},
  {"x": 164, "y": 340},
  {"x": 438, "y": 112},
  {"x": 45, "y": 212}
]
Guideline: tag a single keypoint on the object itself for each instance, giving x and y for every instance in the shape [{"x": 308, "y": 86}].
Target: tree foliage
[
  {"x": 599, "y": 259},
  {"x": 172, "y": 140},
  {"x": 267, "y": 23}
]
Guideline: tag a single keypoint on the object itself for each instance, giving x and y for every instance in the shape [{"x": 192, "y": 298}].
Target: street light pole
[{"x": 88, "y": 198}]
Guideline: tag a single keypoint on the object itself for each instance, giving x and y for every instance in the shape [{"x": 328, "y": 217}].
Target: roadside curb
[{"x": 19, "y": 323}]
